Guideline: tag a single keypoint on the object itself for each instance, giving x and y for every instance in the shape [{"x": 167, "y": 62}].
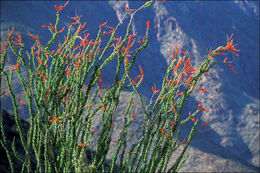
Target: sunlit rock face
[{"x": 232, "y": 136}]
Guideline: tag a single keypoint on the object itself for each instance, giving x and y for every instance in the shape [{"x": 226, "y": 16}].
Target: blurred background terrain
[{"x": 230, "y": 142}]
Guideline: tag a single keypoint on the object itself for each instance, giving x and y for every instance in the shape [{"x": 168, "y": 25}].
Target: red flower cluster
[
  {"x": 202, "y": 109},
  {"x": 230, "y": 46},
  {"x": 154, "y": 90},
  {"x": 16, "y": 66},
  {"x": 54, "y": 119},
  {"x": 59, "y": 8}
]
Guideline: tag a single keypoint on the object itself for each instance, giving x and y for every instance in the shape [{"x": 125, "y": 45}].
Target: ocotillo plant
[{"x": 61, "y": 100}]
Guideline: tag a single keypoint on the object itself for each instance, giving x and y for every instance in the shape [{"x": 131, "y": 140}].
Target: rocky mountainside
[{"x": 230, "y": 142}]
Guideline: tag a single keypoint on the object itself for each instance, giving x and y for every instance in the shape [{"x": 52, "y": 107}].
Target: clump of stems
[{"x": 61, "y": 88}]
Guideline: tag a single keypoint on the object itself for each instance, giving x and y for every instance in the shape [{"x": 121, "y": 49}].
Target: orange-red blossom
[
  {"x": 203, "y": 90},
  {"x": 16, "y": 66},
  {"x": 3, "y": 47},
  {"x": 230, "y": 46},
  {"x": 43, "y": 77},
  {"x": 134, "y": 80},
  {"x": 128, "y": 10},
  {"x": 179, "y": 64},
  {"x": 10, "y": 34},
  {"x": 59, "y": 8},
  {"x": 100, "y": 81},
  {"x": 34, "y": 37},
  {"x": 148, "y": 24},
  {"x": 95, "y": 132},
  {"x": 175, "y": 81},
  {"x": 162, "y": 129},
  {"x": 229, "y": 65},
  {"x": 19, "y": 39},
  {"x": 103, "y": 107},
  {"x": 172, "y": 123},
  {"x": 154, "y": 90},
  {"x": 204, "y": 124},
  {"x": 202, "y": 109},
  {"x": 173, "y": 108},
  {"x": 77, "y": 18},
  {"x": 87, "y": 106},
  {"x": 22, "y": 102},
  {"x": 133, "y": 115},
  {"x": 54, "y": 119},
  {"x": 81, "y": 144}
]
